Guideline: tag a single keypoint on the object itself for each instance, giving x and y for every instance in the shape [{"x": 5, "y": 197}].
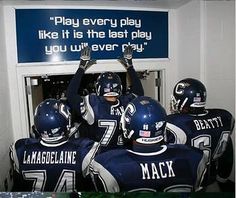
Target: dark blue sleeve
[
  {"x": 74, "y": 99},
  {"x": 20, "y": 184},
  {"x": 225, "y": 162},
  {"x": 136, "y": 85},
  {"x": 97, "y": 183},
  {"x": 169, "y": 136}
]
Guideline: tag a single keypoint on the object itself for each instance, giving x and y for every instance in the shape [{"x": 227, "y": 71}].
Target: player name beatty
[{"x": 208, "y": 123}]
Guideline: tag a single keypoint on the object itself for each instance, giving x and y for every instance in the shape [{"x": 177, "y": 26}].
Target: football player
[
  {"x": 208, "y": 129},
  {"x": 52, "y": 163},
  {"x": 102, "y": 111},
  {"x": 150, "y": 165}
]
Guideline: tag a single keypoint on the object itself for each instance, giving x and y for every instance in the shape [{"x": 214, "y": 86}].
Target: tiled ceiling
[{"x": 168, "y": 4}]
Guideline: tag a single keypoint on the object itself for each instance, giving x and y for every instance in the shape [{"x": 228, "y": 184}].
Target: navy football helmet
[
  {"x": 144, "y": 121},
  {"x": 188, "y": 94},
  {"x": 52, "y": 120},
  {"x": 108, "y": 84}
]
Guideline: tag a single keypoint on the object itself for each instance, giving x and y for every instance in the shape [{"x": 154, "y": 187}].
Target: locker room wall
[
  {"x": 189, "y": 43},
  {"x": 220, "y": 55},
  {"x": 6, "y": 133},
  {"x": 188, "y": 40}
]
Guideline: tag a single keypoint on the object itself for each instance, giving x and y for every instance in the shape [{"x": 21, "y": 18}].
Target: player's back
[
  {"x": 210, "y": 131},
  {"x": 173, "y": 168},
  {"x": 55, "y": 167}
]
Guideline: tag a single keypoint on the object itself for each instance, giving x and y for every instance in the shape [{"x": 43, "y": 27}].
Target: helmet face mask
[
  {"x": 52, "y": 120},
  {"x": 125, "y": 121},
  {"x": 188, "y": 95},
  {"x": 174, "y": 105},
  {"x": 144, "y": 121},
  {"x": 108, "y": 84}
]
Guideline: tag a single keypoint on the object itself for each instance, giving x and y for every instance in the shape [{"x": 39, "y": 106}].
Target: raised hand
[
  {"x": 126, "y": 60},
  {"x": 85, "y": 58}
]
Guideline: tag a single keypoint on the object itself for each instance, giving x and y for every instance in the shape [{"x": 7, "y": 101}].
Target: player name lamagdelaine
[{"x": 52, "y": 157}]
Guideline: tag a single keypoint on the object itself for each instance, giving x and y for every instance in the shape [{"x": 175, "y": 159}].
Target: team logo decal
[{"x": 159, "y": 124}]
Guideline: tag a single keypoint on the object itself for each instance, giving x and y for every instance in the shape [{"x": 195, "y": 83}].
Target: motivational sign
[{"x": 50, "y": 35}]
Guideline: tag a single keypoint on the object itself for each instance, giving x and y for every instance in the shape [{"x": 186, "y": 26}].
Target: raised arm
[
  {"x": 126, "y": 61},
  {"x": 74, "y": 99}
]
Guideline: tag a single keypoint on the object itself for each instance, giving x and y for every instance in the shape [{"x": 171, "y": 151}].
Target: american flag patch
[
  {"x": 144, "y": 133},
  {"x": 106, "y": 90},
  {"x": 197, "y": 99}
]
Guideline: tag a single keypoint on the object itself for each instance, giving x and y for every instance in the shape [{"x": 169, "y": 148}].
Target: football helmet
[
  {"x": 52, "y": 120},
  {"x": 108, "y": 84},
  {"x": 144, "y": 121},
  {"x": 188, "y": 94}
]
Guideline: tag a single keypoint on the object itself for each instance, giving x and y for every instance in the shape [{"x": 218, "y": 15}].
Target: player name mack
[
  {"x": 52, "y": 157},
  {"x": 157, "y": 170},
  {"x": 210, "y": 123}
]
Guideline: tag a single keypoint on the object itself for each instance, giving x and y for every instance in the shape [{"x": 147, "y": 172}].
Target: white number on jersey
[
  {"x": 65, "y": 183},
  {"x": 110, "y": 126}
]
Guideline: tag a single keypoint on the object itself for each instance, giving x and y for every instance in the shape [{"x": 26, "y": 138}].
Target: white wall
[
  {"x": 6, "y": 133},
  {"x": 188, "y": 40},
  {"x": 220, "y": 51}
]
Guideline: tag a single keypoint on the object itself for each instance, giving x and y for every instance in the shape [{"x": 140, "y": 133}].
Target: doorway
[{"x": 39, "y": 88}]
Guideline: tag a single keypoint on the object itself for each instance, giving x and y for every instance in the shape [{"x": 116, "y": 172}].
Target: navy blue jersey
[
  {"x": 103, "y": 118},
  {"x": 58, "y": 167},
  {"x": 171, "y": 168},
  {"x": 210, "y": 131}
]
